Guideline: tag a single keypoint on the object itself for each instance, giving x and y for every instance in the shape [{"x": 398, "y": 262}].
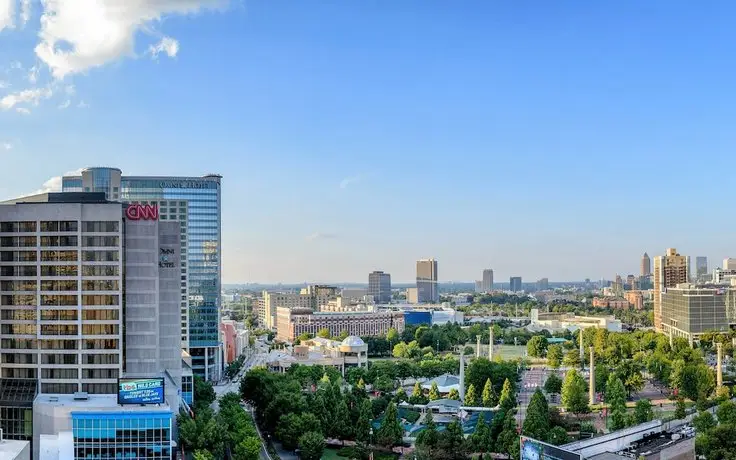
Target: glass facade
[
  {"x": 194, "y": 202},
  {"x": 119, "y": 435}
]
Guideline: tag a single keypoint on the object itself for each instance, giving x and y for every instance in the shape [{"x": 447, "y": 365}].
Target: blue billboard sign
[{"x": 141, "y": 391}]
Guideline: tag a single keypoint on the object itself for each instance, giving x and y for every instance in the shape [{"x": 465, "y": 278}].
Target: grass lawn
[
  {"x": 509, "y": 351},
  {"x": 331, "y": 454}
]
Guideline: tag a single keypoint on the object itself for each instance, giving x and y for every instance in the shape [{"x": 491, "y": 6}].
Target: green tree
[
  {"x": 616, "y": 399},
  {"x": 643, "y": 411},
  {"x": 574, "y": 392},
  {"x": 536, "y": 346},
  {"x": 344, "y": 428},
  {"x": 554, "y": 356},
  {"x": 471, "y": 399},
  {"x": 417, "y": 395},
  {"x": 601, "y": 377},
  {"x": 343, "y": 335},
  {"x": 481, "y": 440},
  {"x": 204, "y": 394},
  {"x": 289, "y": 430},
  {"x": 553, "y": 384},
  {"x": 392, "y": 336},
  {"x": 508, "y": 440},
  {"x": 363, "y": 427},
  {"x": 428, "y": 440},
  {"x": 488, "y": 398},
  {"x": 390, "y": 433},
  {"x": 454, "y": 395},
  {"x": 704, "y": 421},
  {"x": 361, "y": 384},
  {"x": 311, "y": 445},
  {"x": 507, "y": 400},
  {"x": 572, "y": 359},
  {"x": 324, "y": 333},
  {"x": 434, "y": 392},
  {"x": 452, "y": 442},
  {"x": 558, "y": 436},
  {"x": 203, "y": 455},
  {"x": 202, "y": 432},
  {"x": 536, "y": 422},
  {"x": 400, "y": 350},
  {"x": 726, "y": 413},
  {"x": 249, "y": 448},
  {"x": 680, "y": 408}
]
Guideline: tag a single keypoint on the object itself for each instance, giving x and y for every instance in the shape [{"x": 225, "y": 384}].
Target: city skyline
[{"x": 548, "y": 117}]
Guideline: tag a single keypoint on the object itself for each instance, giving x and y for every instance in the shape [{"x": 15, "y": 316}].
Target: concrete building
[
  {"x": 194, "y": 204},
  {"x": 669, "y": 271},
  {"x": 89, "y": 293},
  {"x": 311, "y": 297},
  {"x": 729, "y": 264},
  {"x": 292, "y": 323},
  {"x": 646, "y": 265},
  {"x": 353, "y": 296},
  {"x": 478, "y": 286},
  {"x": 412, "y": 295},
  {"x": 487, "y": 280},
  {"x": 611, "y": 302},
  {"x": 688, "y": 310},
  {"x": 701, "y": 267},
  {"x": 351, "y": 352},
  {"x": 557, "y": 322},
  {"x": 543, "y": 284},
  {"x": 15, "y": 450},
  {"x": 235, "y": 339},
  {"x": 635, "y": 299},
  {"x": 379, "y": 286},
  {"x": 515, "y": 284},
  {"x": 427, "y": 291}
]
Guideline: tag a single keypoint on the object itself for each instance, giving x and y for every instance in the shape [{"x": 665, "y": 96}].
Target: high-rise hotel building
[
  {"x": 89, "y": 294},
  {"x": 194, "y": 203},
  {"x": 669, "y": 271},
  {"x": 427, "y": 291}
]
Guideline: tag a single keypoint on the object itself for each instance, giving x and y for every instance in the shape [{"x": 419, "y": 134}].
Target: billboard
[
  {"x": 531, "y": 449},
  {"x": 141, "y": 391}
]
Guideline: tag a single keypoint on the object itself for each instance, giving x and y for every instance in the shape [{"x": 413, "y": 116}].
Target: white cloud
[
  {"x": 33, "y": 74},
  {"x": 82, "y": 105},
  {"x": 321, "y": 236},
  {"x": 23, "y": 111},
  {"x": 4, "y": 84},
  {"x": 25, "y": 11},
  {"x": 6, "y": 146},
  {"x": 31, "y": 96},
  {"x": 78, "y": 35},
  {"x": 65, "y": 104},
  {"x": 70, "y": 90},
  {"x": 167, "y": 45},
  {"x": 54, "y": 184},
  {"x": 349, "y": 180},
  {"x": 7, "y": 11}
]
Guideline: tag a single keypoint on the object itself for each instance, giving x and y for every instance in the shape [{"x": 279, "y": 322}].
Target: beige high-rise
[
  {"x": 646, "y": 265},
  {"x": 669, "y": 271},
  {"x": 427, "y": 281}
]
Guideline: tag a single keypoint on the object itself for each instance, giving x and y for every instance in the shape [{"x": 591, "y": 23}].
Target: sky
[{"x": 540, "y": 139}]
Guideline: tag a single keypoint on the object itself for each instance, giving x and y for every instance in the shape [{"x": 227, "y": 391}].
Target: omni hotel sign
[
  {"x": 184, "y": 184},
  {"x": 141, "y": 212}
]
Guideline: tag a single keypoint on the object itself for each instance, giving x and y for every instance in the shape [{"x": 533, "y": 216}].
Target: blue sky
[{"x": 540, "y": 139}]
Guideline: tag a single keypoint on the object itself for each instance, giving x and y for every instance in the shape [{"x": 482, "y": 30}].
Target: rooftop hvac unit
[{"x": 81, "y": 396}]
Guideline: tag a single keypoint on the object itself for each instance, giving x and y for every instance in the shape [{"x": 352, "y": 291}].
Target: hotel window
[
  {"x": 64, "y": 358},
  {"x": 101, "y": 359},
  {"x": 65, "y": 300},
  {"x": 100, "y": 285},
  {"x": 100, "y": 300},
  {"x": 59, "y": 329},
  {"x": 100, "y": 344},
  {"x": 18, "y": 315},
  {"x": 19, "y": 285},
  {"x": 18, "y": 329},
  {"x": 58, "y": 315},
  {"x": 100, "y": 270},
  {"x": 18, "y": 344},
  {"x": 18, "y": 256},
  {"x": 59, "y": 285},
  {"x": 100, "y": 241},
  {"x": 19, "y": 299},
  {"x": 17, "y": 227},
  {"x": 59, "y": 270},
  {"x": 59, "y": 256},
  {"x": 100, "y": 315},
  {"x": 56, "y": 241},
  {"x": 17, "y": 241},
  {"x": 100, "y": 226},
  {"x": 59, "y": 374},
  {"x": 100, "y": 329},
  {"x": 11, "y": 373},
  {"x": 100, "y": 256},
  {"x": 58, "y": 344},
  {"x": 99, "y": 373}
]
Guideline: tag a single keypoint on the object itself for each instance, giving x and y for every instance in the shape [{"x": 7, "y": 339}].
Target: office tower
[
  {"x": 379, "y": 286},
  {"x": 89, "y": 294},
  {"x": 543, "y": 284},
  {"x": 669, "y": 271},
  {"x": 701, "y": 266},
  {"x": 515, "y": 284},
  {"x": 194, "y": 203},
  {"x": 427, "y": 291},
  {"x": 478, "y": 286},
  {"x": 690, "y": 310},
  {"x": 729, "y": 264},
  {"x": 632, "y": 282},
  {"x": 487, "y": 282},
  {"x": 646, "y": 265}
]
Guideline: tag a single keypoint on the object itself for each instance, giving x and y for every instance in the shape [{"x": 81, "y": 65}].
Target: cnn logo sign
[{"x": 142, "y": 212}]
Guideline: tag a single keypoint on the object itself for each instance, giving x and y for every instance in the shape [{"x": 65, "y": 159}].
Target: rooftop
[
  {"x": 10, "y": 449},
  {"x": 95, "y": 402}
]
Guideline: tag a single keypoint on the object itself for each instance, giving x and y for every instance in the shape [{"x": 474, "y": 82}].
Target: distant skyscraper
[
  {"x": 478, "y": 286},
  {"x": 646, "y": 265},
  {"x": 515, "y": 284},
  {"x": 729, "y": 264},
  {"x": 669, "y": 271},
  {"x": 701, "y": 266},
  {"x": 379, "y": 286},
  {"x": 487, "y": 283},
  {"x": 543, "y": 284},
  {"x": 427, "y": 281}
]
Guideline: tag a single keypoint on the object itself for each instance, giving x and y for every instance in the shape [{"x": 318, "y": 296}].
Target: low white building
[
  {"x": 555, "y": 322},
  {"x": 11, "y": 449},
  {"x": 351, "y": 352}
]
